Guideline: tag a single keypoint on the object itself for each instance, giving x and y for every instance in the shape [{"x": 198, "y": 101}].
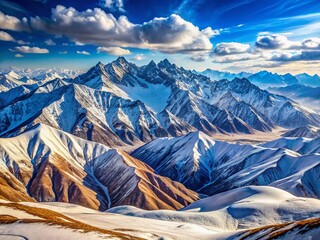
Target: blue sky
[{"x": 248, "y": 35}]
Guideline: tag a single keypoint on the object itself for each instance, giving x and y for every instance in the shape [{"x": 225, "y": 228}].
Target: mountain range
[
  {"x": 265, "y": 79},
  {"x": 140, "y": 141},
  {"x": 208, "y": 166},
  {"x": 120, "y": 103},
  {"x": 46, "y": 165}
]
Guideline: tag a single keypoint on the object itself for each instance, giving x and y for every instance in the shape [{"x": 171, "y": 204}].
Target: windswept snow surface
[
  {"x": 155, "y": 96},
  {"x": 246, "y": 207},
  {"x": 135, "y": 226}
]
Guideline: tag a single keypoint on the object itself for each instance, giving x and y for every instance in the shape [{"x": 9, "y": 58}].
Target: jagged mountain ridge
[
  {"x": 121, "y": 103},
  {"x": 307, "y": 132},
  {"x": 265, "y": 79},
  {"x": 196, "y": 92},
  {"x": 49, "y": 165},
  {"x": 218, "y": 75},
  {"x": 210, "y": 167},
  {"x": 39, "y": 74}
]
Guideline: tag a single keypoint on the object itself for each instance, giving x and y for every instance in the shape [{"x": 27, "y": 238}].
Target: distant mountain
[
  {"x": 168, "y": 85},
  {"x": 12, "y": 80},
  {"x": 308, "y": 80},
  {"x": 218, "y": 75},
  {"x": 39, "y": 74},
  {"x": 267, "y": 79},
  {"x": 309, "y": 96},
  {"x": 298, "y": 91},
  {"x": 307, "y": 132},
  {"x": 210, "y": 167},
  {"x": 48, "y": 165},
  {"x": 303, "y": 146}
]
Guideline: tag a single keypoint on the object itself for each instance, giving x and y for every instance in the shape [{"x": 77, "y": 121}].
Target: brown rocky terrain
[{"x": 48, "y": 165}]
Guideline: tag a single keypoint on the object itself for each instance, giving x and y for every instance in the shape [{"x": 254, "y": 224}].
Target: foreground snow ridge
[{"x": 242, "y": 208}]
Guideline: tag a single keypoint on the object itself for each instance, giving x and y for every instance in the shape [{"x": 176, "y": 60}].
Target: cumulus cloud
[
  {"x": 311, "y": 43},
  {"x": 229, "y": 48},
  {"x": 63, "y": 52},
  {"x": 236, "y": 58},
  {"x": 117, "y": 51},
  {"x": 209, "y": 32},
  {"x": 49, "y": 42},
  {"x": 172, "y": 34},
  {"x": 198, "y": 58},
  {"x": 296, "y": 56},
  {"x": 139, "y": 57},
  {"x": 275, "y": 41},
  {"x": 27, "y": 49},
  {"x": 83, "y": 52},
  {"x": 113, "y": 5},
  {"x": 12, "y": 23},
  {"x": 21, "y": 42},
  {"x": 4, "y": 36},
  {"x": 18, "y": 55},
  {"x": 279, "y": 48}
]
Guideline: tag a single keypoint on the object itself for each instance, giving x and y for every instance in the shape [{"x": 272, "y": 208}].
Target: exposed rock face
[
  {"x": 48, "y": 165},
  {"x": 120, "y": 103},
  {"x": 208, "y": 166}
]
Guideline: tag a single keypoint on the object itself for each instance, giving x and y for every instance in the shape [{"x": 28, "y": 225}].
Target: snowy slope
[
  {"x": 265, "y": 79},
  {"x": 82, "y": 111},
  {"x": 306, "y": 95},
  {"x": 68, "y": 221},
  {"x": 18, "y": 221},
  {"x": 304, "y": 229},
  {"x": 120, "y": 103},
  {"x": 51, "y": 165},
  {"x": 246, "y": 207},
  {"x": 12, "y": 80},
  {"x": 307, "y": 132},
  {"x": 218, "y": 75},
  {"x": 211, "y": 167},
  {"x": 40, "y": 74}
]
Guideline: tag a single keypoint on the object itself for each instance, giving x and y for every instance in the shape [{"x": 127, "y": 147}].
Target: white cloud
[
  {"x": 139, "y": 57},
  {"x": 79, "y": 43},
  {"x": 172, "y": 34},
  {"x": 229, "y": 48},
  {"x": 83, "y": 52},
  {"x": 27, "y": 49},
  {"x": 21, "y": 42},
  {"x": 275, "y": 41},
  {"x": 49, "y": 42},
  {"x": 311, "y": 43},
  {"x": 12, "y": 23},
  {"x": 4, "y": 36},
  {"x": 209, "y": 32},
  {"x": 236, "y": 58},
  {"x": 113, "y": 5},
  {"x": 118, "y": 51},
  {"x": 63, "y": 52},
  {"x": 296, "y": 56},
  {"x": 198, "y": 58},
  {"x": 18, "y": 55}
]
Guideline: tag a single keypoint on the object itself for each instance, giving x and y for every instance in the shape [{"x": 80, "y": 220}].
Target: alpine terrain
[{"x": 126, "y": 151}]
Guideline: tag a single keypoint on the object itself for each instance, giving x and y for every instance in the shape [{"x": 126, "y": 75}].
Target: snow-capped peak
[
  {"x": 13, "y": 75},
  {"x": 164, "y": 64}
]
